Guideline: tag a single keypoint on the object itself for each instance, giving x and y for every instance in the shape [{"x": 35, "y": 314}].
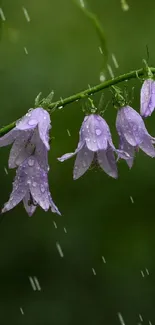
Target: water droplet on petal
[
  {"x": 29, "y": 181},
  {"x": 84, "y": 164},
  {"x": 98, "y": 131},
  {"x": 34, "y": 184},
  {"x": 42, "y": 188},
  {"x": 31, "y": 162},
  {"x": 32, "y": 122}
]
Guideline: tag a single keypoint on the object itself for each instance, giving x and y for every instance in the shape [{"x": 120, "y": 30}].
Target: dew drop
[
  {"x": 34, "y": 184},
  {"x": 42, "y": 188},
  {"x": 31, "y": 162},
  {"x": 84, "y": 164},
  {"x": 29, "y": 181},
  {"x": 32, "y": 122},
  {"x": 98, "y": 131}
]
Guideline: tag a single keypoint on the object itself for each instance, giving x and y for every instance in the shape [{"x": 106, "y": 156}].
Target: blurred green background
[{"x": 102, "y": 223}]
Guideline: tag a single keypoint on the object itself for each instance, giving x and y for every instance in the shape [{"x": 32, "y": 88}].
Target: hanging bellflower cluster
[
  {"x": 29, "y": 137},
  {"x": 29, "y": 154}
]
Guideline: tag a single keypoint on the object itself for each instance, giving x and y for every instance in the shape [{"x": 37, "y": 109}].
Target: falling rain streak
[
  {"x": 35, "y": 283},
  {"x": 21, "y": 310},
  {"x": 69, "y": 134},
  {"x": 25, "y": 50},
  {"x": 140, "y": 317},
  {"x": 26, "y": 14},
  {"x": 82, "y": 4},
  {"x": 102, "y": 77},
  {"x": 6, "y": 171},
  {"x": 145, "y": 271},
  {"x": 131, "y": 198},
  {"x": 59, "y": 249},
  {"x": 116, "y": 65},
  {"x": 103, "y": 259},
  {"x": 124, "y": 5},
  {"x": 110, "y": 71},
  {"x": 121, "y": 319},
  {"x": 93, "y": 270},
  {"x": 55, "y": 225},
  {"x": 65, "y": 230},
  {"x": 2, "y": 15}
]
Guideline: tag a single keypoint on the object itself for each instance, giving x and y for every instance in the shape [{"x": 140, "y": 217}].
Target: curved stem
[
  {"x": 85, "y": 93},
  {"x": 92, "y": 90}
]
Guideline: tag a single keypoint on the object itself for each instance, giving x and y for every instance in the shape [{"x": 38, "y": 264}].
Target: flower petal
[
  {"x": 125, "y": 146},
  {"x": 37, "y": 117},
  {"x": 9, "y": 137},
  {"x": 70, "y": 155},
  {"x": 95, "y": 131},
  {"x": 131, "y": 125},
  {"x": 19, "y": 189},
  {"x": 20, "y": 149},
  {"x": 29, "y": 207},
  {"x": 83, "y": 161},
  {"x": 106, "y": 160},
  {"x": 38, "y": 185},
  {"x": 147, "y": 146},
  {"x": 41, "y": 152},
  {"x": 54, "y": 208},
  {"x": 147, "y": 97}
]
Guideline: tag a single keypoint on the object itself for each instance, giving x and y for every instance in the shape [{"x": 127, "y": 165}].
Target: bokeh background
[{"x": 107, "y": 227}]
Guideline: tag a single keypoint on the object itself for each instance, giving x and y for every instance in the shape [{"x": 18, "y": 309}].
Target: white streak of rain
[
  {"x": 100, "y": 49},
  {"x": 124, "y": 5},
  {"x": 65, "y": 230},
  {"x": 21, "y": 310},
  {"x": 131, "y": 198},
  {"x": 121, "y": 319},
  {"x": 26, "y": 14},
  {"x": 147, "y": 271},
  {"x": 142, "y": 273},
  {"x": 110, "y": 71},
  {"x": 82, "y": 3},
  {"x": 25, "y": 50},
  {"x": 93, "y": 270},
  {"x": 140, "y": 317},
  {"x": 32, "y": 283},
  {"x": 116, "y": 65},
  {"x": 102, "y": 77},
  {"x": 6, "y": 171},
  {"x": 103, "y": 259},
  {"x": 55, "y": 225},
  {"x": 2, "y": 15},
  {"x": 59, "y": 249},
  {"x": 37, "y": 283},
  {"x": 69, "y": 134}
]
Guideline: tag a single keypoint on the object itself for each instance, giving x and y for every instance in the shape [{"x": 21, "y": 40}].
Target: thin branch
[{"x": 87, "y": 92}]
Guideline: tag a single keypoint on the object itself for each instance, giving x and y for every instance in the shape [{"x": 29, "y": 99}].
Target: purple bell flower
[
  {"x": 30, "y": 133},
  {"x": 133, "y": 133},
  {"x": 95, "y": 141},
  {"x": 29, "y": 153},
  {"x": 147, "y": 98},
  {"x": 31, "y": 186}
]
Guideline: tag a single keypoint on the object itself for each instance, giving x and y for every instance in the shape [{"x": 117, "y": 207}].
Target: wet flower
[
  {"x": 133, "y": 133},
  {"x": 30, "y": 134},
  {"x": 31, "y": 186},
  {"x": 147, "y": 97},
  {"x": 95, "y": 139}
]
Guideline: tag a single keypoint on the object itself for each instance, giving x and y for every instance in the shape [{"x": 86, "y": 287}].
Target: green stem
[{"x": 90, "y": 91}]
